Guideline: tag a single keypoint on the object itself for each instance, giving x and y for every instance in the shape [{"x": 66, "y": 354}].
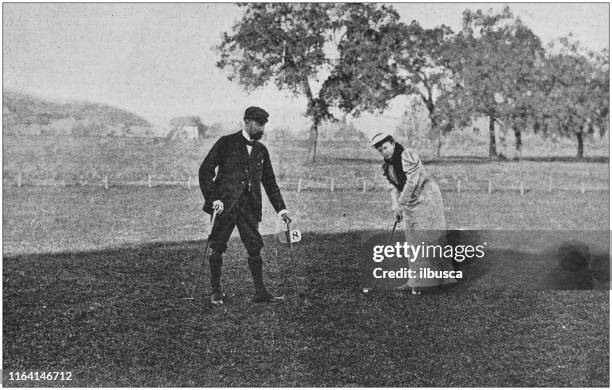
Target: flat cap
[
  {"x": 378, "y": 138},
  {"x": 259, "y": 115}
]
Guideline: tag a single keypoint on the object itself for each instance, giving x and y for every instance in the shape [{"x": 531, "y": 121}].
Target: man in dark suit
[{"x": 235, "y": 193}]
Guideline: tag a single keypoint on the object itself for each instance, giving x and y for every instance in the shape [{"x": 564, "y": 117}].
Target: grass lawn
[
  {"x": 42, "y": 220},
  {"x": 129, "y": 159},
  {"x": 93, "y": 282},
  {"x": 116, "y": 318},
  {"x": 94, "y": 279}
]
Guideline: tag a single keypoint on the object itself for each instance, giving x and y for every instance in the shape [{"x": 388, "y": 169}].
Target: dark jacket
[
  {"x": 393, "y": 168},
  {"x": 236, "y": 169}
]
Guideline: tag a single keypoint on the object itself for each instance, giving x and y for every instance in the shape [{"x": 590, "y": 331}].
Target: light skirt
[{"x": 425, "y": 223}]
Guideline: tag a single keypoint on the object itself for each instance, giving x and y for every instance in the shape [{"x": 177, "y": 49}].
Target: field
[
  {"x": 93, "y": 280},
  {"x": 349, "y": 163}
]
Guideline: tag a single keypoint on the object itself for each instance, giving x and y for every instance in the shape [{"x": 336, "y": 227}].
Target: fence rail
[{"x": 330, "y": 184}]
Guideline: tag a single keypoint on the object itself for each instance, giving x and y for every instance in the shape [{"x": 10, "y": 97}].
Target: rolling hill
[{"x": 24, "y": 114}]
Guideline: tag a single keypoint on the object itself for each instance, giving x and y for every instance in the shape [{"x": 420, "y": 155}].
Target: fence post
[
  {"x": 458, "y": 185},
  {"x": 105, "y": 182},
  {"x": 189, "y": 181},
  {"x": 582, "y": 187},
  {"x": 490, "y": 187},
  {"x": 299, "y": 184},
  {"x": 522, "y": 189},
  {"x": 332, "y": 185},
  {"x": 19, "y": 179},
  {"x": 549, "y": 183},
  {"x": 365, "y": 185},
  {"x": 149, "y": 181}
]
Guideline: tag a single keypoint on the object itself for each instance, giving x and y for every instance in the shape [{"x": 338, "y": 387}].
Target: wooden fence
[{"x": 330, "y": 184}]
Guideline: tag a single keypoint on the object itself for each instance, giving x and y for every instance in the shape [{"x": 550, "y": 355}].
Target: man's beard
[{"x": 257, "y": 136}]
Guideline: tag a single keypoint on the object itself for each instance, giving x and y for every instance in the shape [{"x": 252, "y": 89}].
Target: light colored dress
[{"x": 423, "y": 209}]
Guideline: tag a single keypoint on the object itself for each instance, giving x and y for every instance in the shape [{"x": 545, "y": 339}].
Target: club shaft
[
  {"x": 293, "y": 265},
  {"x": 392, "y": 232},
  {"x": 212, "y": 224}
]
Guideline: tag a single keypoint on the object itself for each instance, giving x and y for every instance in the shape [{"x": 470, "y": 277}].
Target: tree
[
  {"x": 495, "y": 56},
  {"x": 574, "y": 92},
  {"x": 294, "y": 45},
  {"x": 405, "y": 60},
  {"x": 422, "y": 63}
]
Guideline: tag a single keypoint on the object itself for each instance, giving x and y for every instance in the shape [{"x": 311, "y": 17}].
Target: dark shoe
[
  {"x": 266, "y": 297},
  {"x": 216, "y": 297}
]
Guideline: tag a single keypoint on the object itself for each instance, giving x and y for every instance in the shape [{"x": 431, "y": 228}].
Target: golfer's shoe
[
  {"x": 216, "y": 297},
  {"x": 266, "y": 297}
]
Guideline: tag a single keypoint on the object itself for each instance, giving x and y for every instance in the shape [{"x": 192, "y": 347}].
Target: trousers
[{"x": 243, "y": 216}]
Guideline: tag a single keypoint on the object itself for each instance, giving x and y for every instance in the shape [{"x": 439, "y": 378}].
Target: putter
[
  {"x": 392, "y": 232},
  {"x": 295, "y": 282},
  {"x": 195, "y": 288}
]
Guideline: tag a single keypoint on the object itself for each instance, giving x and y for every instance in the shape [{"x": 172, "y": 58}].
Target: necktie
[{"x": 250, "y": 143}]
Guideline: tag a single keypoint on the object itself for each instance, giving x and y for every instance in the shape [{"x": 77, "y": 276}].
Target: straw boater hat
[{"x": 379, "y": 138}]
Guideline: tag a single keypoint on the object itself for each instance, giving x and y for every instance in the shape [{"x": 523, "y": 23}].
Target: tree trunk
[
  {"x": 434, "y": 125},
  {"x": 580, "y": 153},
  {"x": 518, "y": 144},
  {"x": 492, "y": 148},
  {"x": 437, "y": 133},
  {"x": 314, "y": 137},
  {"x": 314, "y": 129}
]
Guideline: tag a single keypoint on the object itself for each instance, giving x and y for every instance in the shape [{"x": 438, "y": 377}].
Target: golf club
[
  {"x": 195, "y": 288},
  {"x": 295, "y": 282},
  {"x": 392, "y": 232}
]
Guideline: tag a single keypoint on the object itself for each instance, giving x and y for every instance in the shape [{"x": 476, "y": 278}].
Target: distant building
[{"x": 186, "y": 127}]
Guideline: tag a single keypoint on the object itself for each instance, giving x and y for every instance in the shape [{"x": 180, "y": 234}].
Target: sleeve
[
  {"x": 268, "y": 180},
  {"x": 392, "y": 190},
  {"x": 394, "y": 198},
  {"x": 207, "y": 171},
  {"x": 411, "y": 164}
]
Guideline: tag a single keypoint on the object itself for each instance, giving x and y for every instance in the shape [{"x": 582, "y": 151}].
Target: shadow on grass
[
  {"x": 434, "y": 161},
  {"x": 118, "y": 318},
  {"x": 450, "y": 160},
  {"x": 593, "y": 159}
]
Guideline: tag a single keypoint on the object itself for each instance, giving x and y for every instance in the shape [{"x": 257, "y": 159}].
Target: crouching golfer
[
  {"x": 416, "y": 199},
  {"x": 235, "y": 193}
]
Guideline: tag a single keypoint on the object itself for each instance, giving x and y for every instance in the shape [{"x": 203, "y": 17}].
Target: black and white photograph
[{"x": 306, "y": 194}]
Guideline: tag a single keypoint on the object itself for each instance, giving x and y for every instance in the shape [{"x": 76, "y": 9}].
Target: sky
[{"x": 157, "y": 59}]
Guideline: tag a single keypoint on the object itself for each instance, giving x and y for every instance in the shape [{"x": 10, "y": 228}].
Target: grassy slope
[
  {"x": 41, "y": 220},
  {"x": 114, "y": 316},
  {"x": 24, "y": 109},
  {"x": 134, "y": 159},
  {"x": 83, "y": 291}
]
